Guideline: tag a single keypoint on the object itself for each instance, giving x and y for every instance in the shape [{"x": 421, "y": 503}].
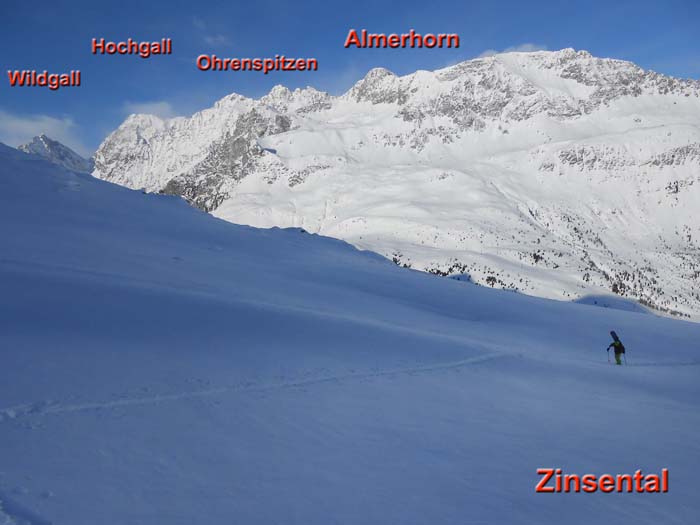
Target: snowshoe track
[{"x": 44, "y": 408}]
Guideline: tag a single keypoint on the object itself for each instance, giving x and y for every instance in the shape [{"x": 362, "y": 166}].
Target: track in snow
[{"x": 44, "y": 408}]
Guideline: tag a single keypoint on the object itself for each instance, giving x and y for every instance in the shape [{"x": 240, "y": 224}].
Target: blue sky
[{"x": 56, "y": 35}]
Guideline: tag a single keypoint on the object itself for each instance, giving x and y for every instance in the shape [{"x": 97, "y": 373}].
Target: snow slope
[
  {"x": 556, "y": 174},
  {"x": 159, "y": 365}
]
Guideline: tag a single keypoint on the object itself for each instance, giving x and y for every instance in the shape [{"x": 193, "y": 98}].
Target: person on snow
[{"x": 618, "y": 346}]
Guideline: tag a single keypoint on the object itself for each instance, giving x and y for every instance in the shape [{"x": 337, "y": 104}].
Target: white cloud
[
  {"x": 20, "y": 129},
  {"x": 522, "y": 48},
  {"x": 217, "y": 40},
  {"x": 210, "y": 38},
  {"x": 199, "y": 23},
  {"x": 159, "y": 108}
]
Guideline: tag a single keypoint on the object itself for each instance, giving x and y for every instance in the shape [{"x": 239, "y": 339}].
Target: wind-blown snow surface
[
  {"x": 158, "y": 365},
  {"x": 557, "y": 174}
]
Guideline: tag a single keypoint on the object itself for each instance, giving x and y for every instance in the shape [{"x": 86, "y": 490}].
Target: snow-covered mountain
[
  {"x": 161, "y": 366},
  {"x": 557, "y": 174},
  {"x": 57, "y": 153}
]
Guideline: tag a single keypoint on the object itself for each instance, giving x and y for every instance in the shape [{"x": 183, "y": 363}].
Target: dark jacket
[{"x": 618, "y": 346}]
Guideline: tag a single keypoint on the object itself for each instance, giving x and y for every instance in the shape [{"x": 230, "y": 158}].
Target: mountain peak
[
  {"x": 281, "y": 98},
  {"x": 56, "y": 153},
  {"x": 379, "y": 72},
  {"x": 377, "y": 86},
  {"x": 144, "y": 120},
  {"x": 280, "y": 91}
]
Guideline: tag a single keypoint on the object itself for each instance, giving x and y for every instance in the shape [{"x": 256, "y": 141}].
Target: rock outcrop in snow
[{"x": 552, "y": 173}]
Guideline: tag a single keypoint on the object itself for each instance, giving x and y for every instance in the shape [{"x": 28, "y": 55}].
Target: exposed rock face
[
  {"x": 553, "y": 173},
  {"x": 228, "y": 160}
]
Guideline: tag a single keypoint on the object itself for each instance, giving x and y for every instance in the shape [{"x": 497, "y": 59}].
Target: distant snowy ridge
[
  {"x": 57, "y": 153},
  {"x": 557, "y": 174}
]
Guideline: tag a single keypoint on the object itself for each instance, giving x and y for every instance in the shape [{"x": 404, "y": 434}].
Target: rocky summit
[{"x": 57, "y": 153}]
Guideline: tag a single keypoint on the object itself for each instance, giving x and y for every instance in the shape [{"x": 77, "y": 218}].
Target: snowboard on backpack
[{"x": 617, "y": 340}]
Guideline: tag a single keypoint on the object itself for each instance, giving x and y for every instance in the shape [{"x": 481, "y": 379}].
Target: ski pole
[
  {"x": 625, "y": 357},
  {"x": 608, "y": 355}
]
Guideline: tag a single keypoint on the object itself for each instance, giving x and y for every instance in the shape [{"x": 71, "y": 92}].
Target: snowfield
[{"x": 162, "y": 366}]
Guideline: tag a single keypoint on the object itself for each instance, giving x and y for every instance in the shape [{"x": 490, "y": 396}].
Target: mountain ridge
[{"x": 552, "y": 173}]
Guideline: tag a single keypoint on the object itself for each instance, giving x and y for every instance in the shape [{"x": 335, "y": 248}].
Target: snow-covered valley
[{"x": 159, "y": 365}]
